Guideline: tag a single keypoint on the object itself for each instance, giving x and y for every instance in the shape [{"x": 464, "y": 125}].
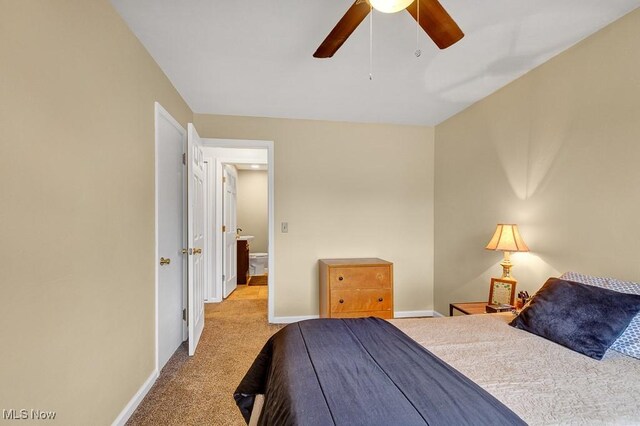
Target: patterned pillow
[
  {"x": 629, "y": 342},
  {"x": 586, "y": 279}
]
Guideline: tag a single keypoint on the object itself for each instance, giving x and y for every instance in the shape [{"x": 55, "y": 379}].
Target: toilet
[{"x": 258, "y": 263}]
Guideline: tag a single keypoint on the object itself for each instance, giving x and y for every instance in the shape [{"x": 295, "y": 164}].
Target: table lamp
[{"x": 507, "y": 239}]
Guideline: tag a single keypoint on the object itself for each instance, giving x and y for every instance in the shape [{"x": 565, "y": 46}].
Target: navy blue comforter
[{"x": 361, "y": 372}]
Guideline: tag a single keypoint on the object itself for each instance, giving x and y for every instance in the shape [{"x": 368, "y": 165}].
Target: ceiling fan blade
[
  {"x": 436, "y": 22},
  {"x": 343, "y": 29}
]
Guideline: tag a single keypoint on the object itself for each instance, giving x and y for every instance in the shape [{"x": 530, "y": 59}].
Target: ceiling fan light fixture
[{"x": 390, "y": 6}]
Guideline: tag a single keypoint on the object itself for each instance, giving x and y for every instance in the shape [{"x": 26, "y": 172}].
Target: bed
[
  {"x": 476, "y": 370},
  {"x": 542, "y": 382}
]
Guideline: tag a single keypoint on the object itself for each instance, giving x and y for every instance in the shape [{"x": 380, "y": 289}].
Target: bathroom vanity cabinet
[
  {"x": 243, "y": 262},
  {"x": 352, "y": 288}
]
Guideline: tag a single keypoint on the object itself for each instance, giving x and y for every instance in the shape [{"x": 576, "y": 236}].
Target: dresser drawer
[
  {"x": 360, "y": 300},
  {"x": 359, "y": 277},
  {"x": 363, "y": 314}
]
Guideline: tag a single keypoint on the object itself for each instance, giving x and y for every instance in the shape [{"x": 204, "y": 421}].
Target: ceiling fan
[{"x": 433, "y": 19}]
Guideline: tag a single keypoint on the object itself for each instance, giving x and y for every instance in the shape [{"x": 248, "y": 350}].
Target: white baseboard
[
  {"x": 289, "y": 320},
  {"x": 398, "y": 314},
  {"x": 136, "y": 400},
  {"x": 437, "y": 314},
  {"x": 413, "y": 314}
]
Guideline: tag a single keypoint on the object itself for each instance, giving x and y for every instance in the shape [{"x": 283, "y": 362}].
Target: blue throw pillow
[
  {"x": 584, "y": 318},
  {"x": 629, "y": 341}
]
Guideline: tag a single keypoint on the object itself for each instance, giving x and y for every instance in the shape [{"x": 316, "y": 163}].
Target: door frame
[
  {"x": 224, "y": 241},
  {"x": 208, "y": 170},
  {"x": 160, "y": 111},
  {"x": 217, "y": 235}
]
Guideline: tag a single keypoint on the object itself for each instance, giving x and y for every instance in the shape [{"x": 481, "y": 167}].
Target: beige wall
[
  {"x": 347, "y": 190},
  {"x": 253, "y": 207},
  {"x": 76, "y": 208},
  {"x": 558, "y": 152}
]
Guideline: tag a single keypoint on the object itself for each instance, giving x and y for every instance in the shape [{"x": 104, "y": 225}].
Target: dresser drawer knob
[
  {"x": 340, "y": 278},
  {"x": 380, "y": 299},
  {"x": 341, "y": 300}
]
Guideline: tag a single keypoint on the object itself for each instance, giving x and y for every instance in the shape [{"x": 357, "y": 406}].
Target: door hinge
[
  {"x": 224, "y": 179},
  {"x": 223, "y": 277},
  {"x": 224, "y": 228},
  {"x": 184, "y": 158},
  {"x": 184, "y": 315}
]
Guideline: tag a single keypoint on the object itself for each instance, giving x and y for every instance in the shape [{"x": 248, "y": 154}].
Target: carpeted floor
[{"x": 199, "y": 390}]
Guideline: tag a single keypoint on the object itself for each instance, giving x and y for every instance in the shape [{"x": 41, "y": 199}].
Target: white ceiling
[{"x": 254, "y": 57}]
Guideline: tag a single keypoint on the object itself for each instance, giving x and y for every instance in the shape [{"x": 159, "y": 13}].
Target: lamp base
[{"x": 506, "y": 267}]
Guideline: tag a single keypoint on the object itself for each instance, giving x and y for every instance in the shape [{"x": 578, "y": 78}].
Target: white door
[
  {"x": 229, "y": 235},
  {"x": 195, "y": 235},
  {"x": 170, "y": 145}
]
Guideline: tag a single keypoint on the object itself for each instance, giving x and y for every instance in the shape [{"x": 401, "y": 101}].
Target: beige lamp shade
[{"x": 507, "y": 238}]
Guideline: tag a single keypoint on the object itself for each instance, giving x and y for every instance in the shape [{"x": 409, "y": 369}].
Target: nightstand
[{"x": 468, "y": 308}]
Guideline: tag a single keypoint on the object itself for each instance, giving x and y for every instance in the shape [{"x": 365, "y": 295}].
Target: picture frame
[{"x": 502, "y": 291}]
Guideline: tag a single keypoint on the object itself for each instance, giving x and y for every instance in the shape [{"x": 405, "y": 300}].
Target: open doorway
[
  {"x": 240, "y": 203},
  {"x": 252, "y": 208},
  {"x": 196, "y": 238},
  {"x": 245, "y": 216}
]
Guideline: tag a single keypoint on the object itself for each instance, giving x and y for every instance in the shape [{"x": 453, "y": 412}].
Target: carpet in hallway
[{"x": 199, "y": 390}]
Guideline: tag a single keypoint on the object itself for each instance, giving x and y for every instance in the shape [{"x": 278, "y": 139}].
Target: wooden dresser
[{"x": 352, "y": 288}]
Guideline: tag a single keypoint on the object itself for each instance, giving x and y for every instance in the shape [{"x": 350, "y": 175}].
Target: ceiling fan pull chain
[
  {"x": 371, "y": 43},
  {"x": 418, "y": 52}
]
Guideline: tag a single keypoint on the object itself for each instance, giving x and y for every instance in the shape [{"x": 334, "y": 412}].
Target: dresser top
[{"x": 370, "y": 261}]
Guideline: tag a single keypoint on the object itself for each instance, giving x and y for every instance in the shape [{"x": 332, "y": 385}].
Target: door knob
[
  {"x": 197, "y": 251},
  {"x": 164, "y": 261}
]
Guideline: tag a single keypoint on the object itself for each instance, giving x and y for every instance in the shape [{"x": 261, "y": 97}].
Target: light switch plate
[{"x": 284, "y": 227}]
